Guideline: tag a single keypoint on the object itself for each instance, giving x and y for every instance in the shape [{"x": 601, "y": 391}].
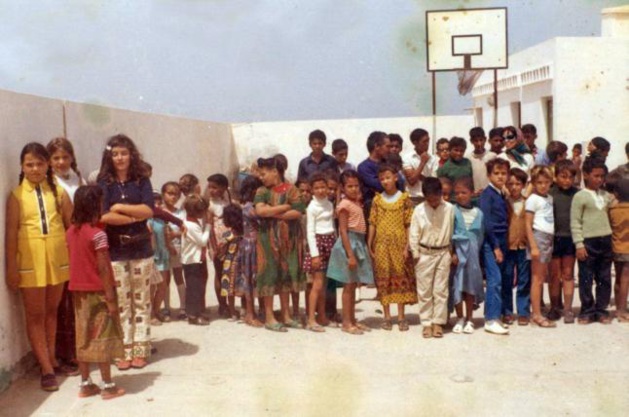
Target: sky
[{"x": 253, "y": 60}]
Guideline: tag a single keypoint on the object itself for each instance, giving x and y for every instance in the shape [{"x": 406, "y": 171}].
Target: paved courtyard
[{"x": 230, "y": 369}]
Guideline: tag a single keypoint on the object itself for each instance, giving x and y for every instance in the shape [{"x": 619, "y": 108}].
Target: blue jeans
[
  {"x": 494, "y": 273},
  {"x": 516, "y": 261}
]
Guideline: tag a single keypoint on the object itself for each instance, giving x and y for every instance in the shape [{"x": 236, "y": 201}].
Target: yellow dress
[
  {"x": 395, "y": 280},
  {"x": 42, "y": 253}
]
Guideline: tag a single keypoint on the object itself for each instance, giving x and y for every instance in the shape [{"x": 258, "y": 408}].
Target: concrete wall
[
  {"x": 254, "y": 140},
  {"x": 591, "y": 96},
  {"x": 173, "y": 146},
  {"x": 23, "y": 119}
]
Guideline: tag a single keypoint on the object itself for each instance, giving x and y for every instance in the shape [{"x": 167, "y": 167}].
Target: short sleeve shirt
[{"x": 542, "y": 207}]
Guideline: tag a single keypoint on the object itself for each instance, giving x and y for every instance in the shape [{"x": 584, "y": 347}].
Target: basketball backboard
[{"x": 470, "y": 39}]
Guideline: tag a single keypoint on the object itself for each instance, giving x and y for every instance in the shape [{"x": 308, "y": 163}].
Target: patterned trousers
[{"x": 133, "y": 289}]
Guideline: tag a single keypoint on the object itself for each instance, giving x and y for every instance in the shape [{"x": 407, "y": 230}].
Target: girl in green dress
[{"x": 280, "y": 242}]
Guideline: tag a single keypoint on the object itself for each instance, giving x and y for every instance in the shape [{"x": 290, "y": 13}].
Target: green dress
[{"x": 280, "y": 244}]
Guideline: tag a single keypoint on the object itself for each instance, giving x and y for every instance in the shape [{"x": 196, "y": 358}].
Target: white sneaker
[
  {"x": 458, "y": 327},
  {"x": 469, "y": 327},
  {"x": 493, "y": 326}
]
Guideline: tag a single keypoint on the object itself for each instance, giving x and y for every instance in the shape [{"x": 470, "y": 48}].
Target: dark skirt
[{"x": 325, "y": 243}]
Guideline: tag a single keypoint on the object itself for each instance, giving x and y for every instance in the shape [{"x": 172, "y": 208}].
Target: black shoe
[{"x": 553, "y": 314}]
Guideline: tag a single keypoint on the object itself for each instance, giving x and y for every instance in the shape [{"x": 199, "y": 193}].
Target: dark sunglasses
[{"x": 509, "y": 137}]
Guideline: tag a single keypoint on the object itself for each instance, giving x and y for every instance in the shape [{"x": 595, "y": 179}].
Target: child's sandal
[
  {"x": 403, "y": 325},
  {"x": 111, "y": 391},
  {"x": 352, "y": 330},
  {"x": 544, "y": 322},
  {"x": 88, "y": 389},
  {"x": 427, "y": 332},
  {"x": 386, "y": 325}
]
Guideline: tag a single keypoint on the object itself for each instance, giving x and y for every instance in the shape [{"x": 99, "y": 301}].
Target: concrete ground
[{"x": 231, "y": 369}]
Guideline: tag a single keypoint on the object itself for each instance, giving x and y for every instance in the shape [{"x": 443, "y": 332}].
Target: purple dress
[{"x": 246, "y": 278}]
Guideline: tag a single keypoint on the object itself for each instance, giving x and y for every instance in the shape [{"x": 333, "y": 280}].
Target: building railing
[{"x": 535, "y": 75}]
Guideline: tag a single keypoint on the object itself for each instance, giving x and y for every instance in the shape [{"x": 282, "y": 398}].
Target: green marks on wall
[{"x": 96, "y": 115}]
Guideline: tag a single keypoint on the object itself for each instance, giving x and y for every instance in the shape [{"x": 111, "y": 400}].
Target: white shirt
[
  {"x": 413, "y": 161},
  {"x": 479, "y": 168},
  {"x": 431, "y": 227},
  {"x": 319, "y": 221},
  {"x": 542, "y": 207},
  {"x": 529, "y": 161},
  {"x": 193, "y": 242},
  {"x": 70, "y": 184}
]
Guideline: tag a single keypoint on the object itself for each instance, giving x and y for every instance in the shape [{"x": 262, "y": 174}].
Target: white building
[{"x": 571, "y": 89}]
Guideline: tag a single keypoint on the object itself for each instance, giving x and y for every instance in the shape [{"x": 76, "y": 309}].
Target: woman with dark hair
[
  {"x": 516, "y": 152},
  {"x": 127, "y": 204}
]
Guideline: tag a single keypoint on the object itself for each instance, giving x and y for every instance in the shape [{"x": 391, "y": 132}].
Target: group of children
[{"x": 423, "y": 229}]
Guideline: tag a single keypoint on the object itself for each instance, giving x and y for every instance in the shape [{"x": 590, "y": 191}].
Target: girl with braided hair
[{"x": 38, "y": 212}]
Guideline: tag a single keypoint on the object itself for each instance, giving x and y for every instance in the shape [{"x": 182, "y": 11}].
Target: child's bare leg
[
  {"x": 250, "y": 317},
  {"x": 222, "y": 301},
  {"x": 231, "y": 302},
  {"x": 537, "y": 282},
  {"x": 105, "y": 372},
  {"x": 622, "y": 281},
  {"x": 294, "y": 295},
  {"x": 400, "y": 312},
  {"x": 308, "y": 290},
  {"x": 53, "y": 297},
  {"x": 322, "y": 301},
  {"x": 84, "y": 368},
  {"x": 35, "y": 309},
  {"x": 348, "y": 305},
  {"x": 285, "y": 308},
  {"x": 469, "y": 306},
  {"x": 315, "y": 296},
  {"x": 269, "y": 317},
  {"x": 567, "y": 276},
  {"x": 181, "y": 287},
  {"x": 554, "y": 286},
  {"x": 459, "y": 310},
  {"x": 387, "y": 312}
]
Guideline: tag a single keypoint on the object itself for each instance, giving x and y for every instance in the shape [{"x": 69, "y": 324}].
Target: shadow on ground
[{"x": 172, "y": 348}]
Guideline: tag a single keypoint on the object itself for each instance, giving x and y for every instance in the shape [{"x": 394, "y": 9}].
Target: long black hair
[{"x": 138, "y": 169}]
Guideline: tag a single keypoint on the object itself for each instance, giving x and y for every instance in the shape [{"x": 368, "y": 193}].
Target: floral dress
[
  {"x": 395, "y": 280},
  {"x": 279, "y": 248}
]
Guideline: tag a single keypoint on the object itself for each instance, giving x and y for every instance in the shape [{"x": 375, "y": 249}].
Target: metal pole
[
  {"x": 495, "y": 98},
  {"x": 434, "y": 107}
]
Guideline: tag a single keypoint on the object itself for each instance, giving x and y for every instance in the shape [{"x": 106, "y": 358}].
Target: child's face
[
  {"x": 462, "y": 194},
  {"x": 306, "y": 194},
  {"x": 542, "y": 185},
  {"x": 317, "y": 146},
  {"x": 421, "y": 145},
  {"x": 497, "y": 143},
  {"x": 270, "y": 177},
  {"x": 61, "y": 161},
  {"x": 561, "y": 157},
  {"x": 171, "y": 195},
  {"x": 443, "y": 150},
  {"x": 157, "y": 200},
  {"x": 433, "y": 200},
  {"x": 395, "y": 148},
  {"x": 576, "y": 152},
  {"x": 456, "y": 153},
  {"x": 387, "y": 180},
  {"x": 34, "y": 168},
  {"x": 332, "y": 187},
  {"x": 564, "y": 179},
  {"x": 479, "y": 144},
  {"x": 341, "y": 156},
  {"x": 446, "y": 190},
  {"x": 320, "y": 190},
  {"x": 498, "y": 177},
  {"x": 351, "y": 189},
  {"x": 594, "y": 180},
  {"x": 515, "y": 187},
  {"x": 215, "y": 190}
]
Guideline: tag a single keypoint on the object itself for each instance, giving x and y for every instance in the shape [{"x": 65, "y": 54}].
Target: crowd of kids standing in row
[{"x": 94, "y": 262}]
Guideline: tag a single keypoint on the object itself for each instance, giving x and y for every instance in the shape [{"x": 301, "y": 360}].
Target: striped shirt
[{"x": 356, "y": 221}]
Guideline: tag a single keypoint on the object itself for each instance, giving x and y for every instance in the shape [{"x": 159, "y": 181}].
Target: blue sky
[{"x": 253, "y": 60}]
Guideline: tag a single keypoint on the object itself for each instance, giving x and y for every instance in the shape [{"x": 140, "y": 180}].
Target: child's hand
[
  {"x": 352, "y": 264},
  {"x": 316, "y": 263},
  {"x": 13, "y": 280},
  {"x": 582, "y": 254},
  {"x": 415, "y": 261},
  {"x": 371, "y": 253},
  {"x": 112, "y": 308},
  {"x": 116, "y": 208},
  {"x": 498, "y": 255},
  {"x": 454, "y": 260},
  {"x": 534, "y": 254}
]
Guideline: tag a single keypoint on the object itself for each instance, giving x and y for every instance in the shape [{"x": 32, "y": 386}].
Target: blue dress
[{"x": 468, "y": 277}]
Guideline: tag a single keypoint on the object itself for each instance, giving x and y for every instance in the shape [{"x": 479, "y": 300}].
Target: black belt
[
  {"x": 434, "y": 247},
  {"x": 131, "y": 239}
]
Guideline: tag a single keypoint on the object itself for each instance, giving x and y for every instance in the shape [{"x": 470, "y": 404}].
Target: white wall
[
  {"x": 254, "y": 140},
  {"x": 23, "y": 119}
]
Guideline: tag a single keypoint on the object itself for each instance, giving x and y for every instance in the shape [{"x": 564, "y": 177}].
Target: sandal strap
[
  {"x": 109, "y": 385},
  {"x": 86, "y": 383}
]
